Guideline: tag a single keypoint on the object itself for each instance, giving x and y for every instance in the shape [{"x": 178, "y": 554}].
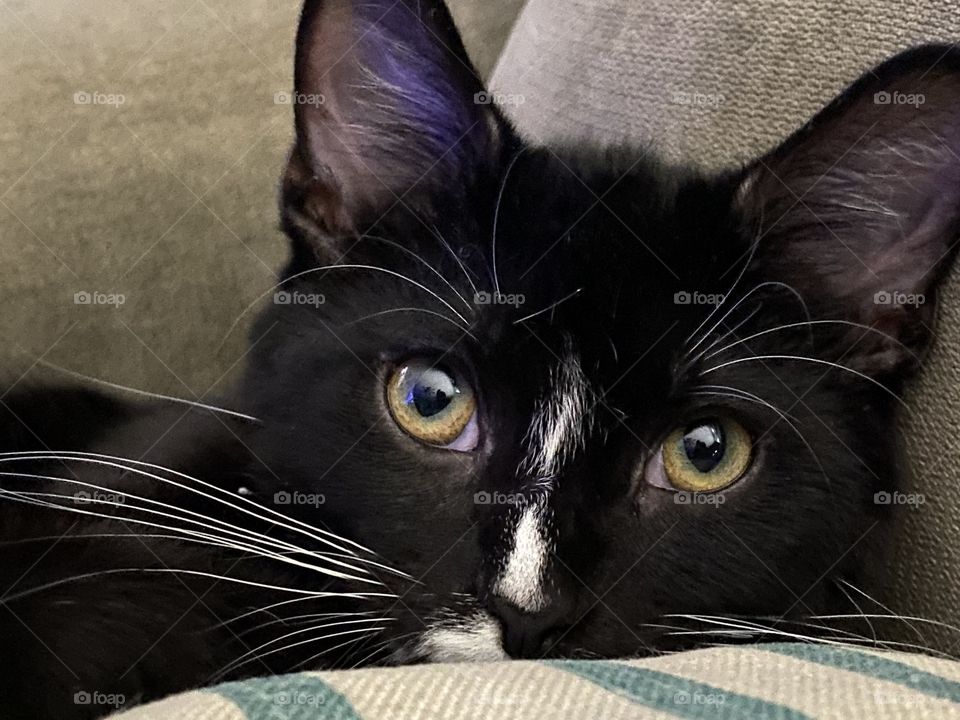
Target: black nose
[{"x": 525, "y": 634}]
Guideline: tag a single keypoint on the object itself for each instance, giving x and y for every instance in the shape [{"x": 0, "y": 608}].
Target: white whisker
[
  {"x": 549, "y": 307},
  {"x": 238, "y": 661},
  {"x": 881, "y": 605},
  {"x": 466, "y": 274},
  {"x": 176, "y": 571},
  {"x": 768, "y": 283},
  {"x": 362, "y": 639},
  {"x": 431, "y": 267},
  {"x": 729, "y": 293},
  {"x": 727, "y": 334},
  {"x": 285, "y": 648},
  {"x": 223, "y": 542},
  {"x": 144, "y": 473},
  {"x": 308, "y": 616},
  {"x": 145, "y": 393},
  {"x": 328, "y": 268},
  {"x": 412, "y": 309},
  {"x": 282, "y": 520},
  {"x": 790, "y": 420},
  {"x": 496, "y": 218},
  {"x": 760, "y": 358},
  {"x": 813, "y": 322}
]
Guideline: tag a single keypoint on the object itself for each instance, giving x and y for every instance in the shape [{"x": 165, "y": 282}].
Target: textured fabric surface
[
  {"x": 783, "y": 682},
  {"x": 140, "y": 148},
  {"x": 717, "y": 83}
]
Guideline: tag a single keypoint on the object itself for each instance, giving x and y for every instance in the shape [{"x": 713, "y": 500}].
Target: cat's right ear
[
  {"x": 389, "y": 114},
  {"x": 859, "y": 210}
]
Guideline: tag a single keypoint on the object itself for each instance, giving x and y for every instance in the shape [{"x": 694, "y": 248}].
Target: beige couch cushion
[
  {"x": 614, "y": 69},
  {"x": 164, "y": 193}
]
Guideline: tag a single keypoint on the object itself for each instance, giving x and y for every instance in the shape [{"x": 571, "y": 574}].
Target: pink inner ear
[
  {"x": 398, "y": 106},
  {"x": 860, "y": 209}
]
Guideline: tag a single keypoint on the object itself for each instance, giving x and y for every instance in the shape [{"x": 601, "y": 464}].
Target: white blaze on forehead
[
  {"x": 559, "y": 428},
  {"x": 521, "y": 581},
  {"x": 557, "y": 433},
  {"x": 474, "y": 639}
]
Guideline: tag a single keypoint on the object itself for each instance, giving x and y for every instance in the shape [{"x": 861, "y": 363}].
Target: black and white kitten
[{"x": 509, "y": 400}]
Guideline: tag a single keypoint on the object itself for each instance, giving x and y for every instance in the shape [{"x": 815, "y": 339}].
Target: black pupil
[
  {"x": 428, "y": 400},
  {"x": 704, "y": 444}
]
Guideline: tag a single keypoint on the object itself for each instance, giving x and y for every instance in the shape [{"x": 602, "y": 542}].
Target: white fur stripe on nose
[
  {"x": 558, "y": 431},
  {"x": 521, "y": 581}
]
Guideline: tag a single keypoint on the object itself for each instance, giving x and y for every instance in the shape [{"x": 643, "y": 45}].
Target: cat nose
[{"x": 526, "y": 634}]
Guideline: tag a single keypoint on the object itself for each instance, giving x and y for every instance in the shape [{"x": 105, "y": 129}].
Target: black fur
[{"x": 832, "y": 216}]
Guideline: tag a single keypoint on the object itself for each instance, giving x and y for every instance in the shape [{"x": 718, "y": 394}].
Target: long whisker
[
  {"x": 176, "y": 484},
  {"x": 264, "y": 609},
  {"x": 412, "y": 309},
  {"x": 768, "y": 283},
  {"x": 879, "y": 616},
  {"x": 466, "y": 273},
  {"x": 734, "y": 624},
  {"x": 285, "y": 521},
  {"x": 179, "y": 571},
  {"x": 352, "y": 557},
  {"x": 818, "y": 361},
  {"x": 312, "y": 658},
  {"x": 236, "y": 662},
  {"x": 145, "y": 393},
  {"x": 323, "y": 268},
  {"x": 727, "y": 334},
  {"x": 308, "y": 616},
  {"x": 550, "y": 307},
  {"x": 496, "y": 218},
  {"x": 862, "y": 326},
  {"x": 429, "y": 266},
  {"x": 753, "y": 631},
  {"x": 790, "y": 420},
  {"x": 377, "y": 648},
  {"x": 728, "y": 294},
  {"x": 234, "y": 667},
  {"x": 876, "y": 602},
  {"x": 873, "y": 630},
  {"x": 232, "y": 544}
]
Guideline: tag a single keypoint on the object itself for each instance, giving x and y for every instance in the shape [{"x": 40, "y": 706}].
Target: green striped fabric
[{"x": 775, "y": 681}]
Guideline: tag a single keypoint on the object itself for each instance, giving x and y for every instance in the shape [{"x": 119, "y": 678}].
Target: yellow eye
[
  {"x": 707, "y": 455},
  {"x": 433, "y": 405}
]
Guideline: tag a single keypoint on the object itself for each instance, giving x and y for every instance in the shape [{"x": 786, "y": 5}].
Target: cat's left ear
[
  {"x": 389, "y": 112},
  {"x": 860, "y": 209}
]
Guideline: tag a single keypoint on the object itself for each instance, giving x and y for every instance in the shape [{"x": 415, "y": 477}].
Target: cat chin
[{"x": 475, "y": 638}]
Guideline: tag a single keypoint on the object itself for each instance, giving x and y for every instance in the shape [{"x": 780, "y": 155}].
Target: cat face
[{"x": 571, "y": 392}]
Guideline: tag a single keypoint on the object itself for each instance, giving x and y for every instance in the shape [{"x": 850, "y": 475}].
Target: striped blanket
[{"x": 782, "y": 681}]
